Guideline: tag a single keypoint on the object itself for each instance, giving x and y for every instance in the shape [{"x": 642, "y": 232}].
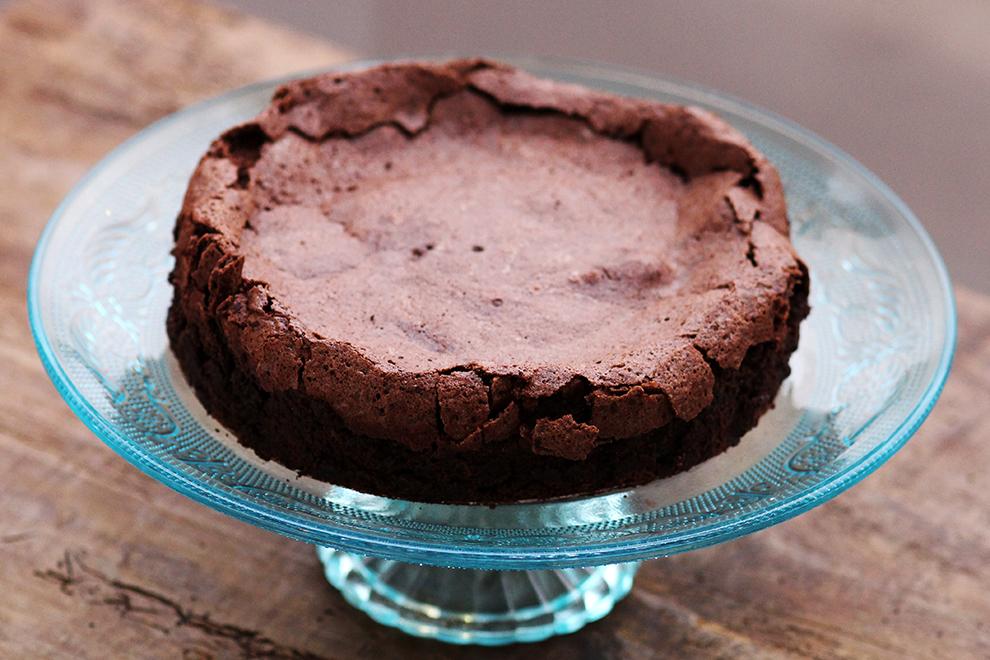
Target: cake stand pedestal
[{"x": 470, "y": 606}]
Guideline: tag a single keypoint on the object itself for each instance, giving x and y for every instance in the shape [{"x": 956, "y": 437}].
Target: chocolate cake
[{"x": 457, "y": 282}]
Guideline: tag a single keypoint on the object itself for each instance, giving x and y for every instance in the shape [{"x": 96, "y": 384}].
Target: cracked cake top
[{"x": 445, "y": 252}]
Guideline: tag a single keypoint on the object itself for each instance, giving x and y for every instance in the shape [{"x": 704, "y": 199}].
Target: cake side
[
  {"x": 335, "y": 410},
  {"x": 308, "y": 435}
]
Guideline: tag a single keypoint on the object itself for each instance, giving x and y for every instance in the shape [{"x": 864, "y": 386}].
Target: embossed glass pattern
[{"x": 873, "y": 356}]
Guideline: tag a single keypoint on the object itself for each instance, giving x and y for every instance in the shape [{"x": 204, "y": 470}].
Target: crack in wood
[{"x": 75, "y": 577}]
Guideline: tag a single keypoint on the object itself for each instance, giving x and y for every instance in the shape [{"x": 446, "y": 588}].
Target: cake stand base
[{"x": 463, "y": 606}]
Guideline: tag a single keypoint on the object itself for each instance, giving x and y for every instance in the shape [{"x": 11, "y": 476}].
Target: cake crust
[{"x": 457, "y": 282}]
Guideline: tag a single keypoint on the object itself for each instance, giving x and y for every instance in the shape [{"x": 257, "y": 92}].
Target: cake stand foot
[{"x": 464, "y": 606}]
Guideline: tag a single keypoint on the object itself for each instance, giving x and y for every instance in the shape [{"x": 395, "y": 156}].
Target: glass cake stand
[{"x": 874, "y": 355}]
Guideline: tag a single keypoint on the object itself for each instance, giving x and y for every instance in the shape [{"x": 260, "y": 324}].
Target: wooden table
[{"x": 97, "y": 560}]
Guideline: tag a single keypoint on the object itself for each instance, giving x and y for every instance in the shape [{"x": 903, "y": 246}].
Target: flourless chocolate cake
[{"x": 457, "y": 282}]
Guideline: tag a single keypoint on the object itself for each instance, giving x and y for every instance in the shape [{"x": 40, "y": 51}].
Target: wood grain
[{"x": 97, "y": 560}]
